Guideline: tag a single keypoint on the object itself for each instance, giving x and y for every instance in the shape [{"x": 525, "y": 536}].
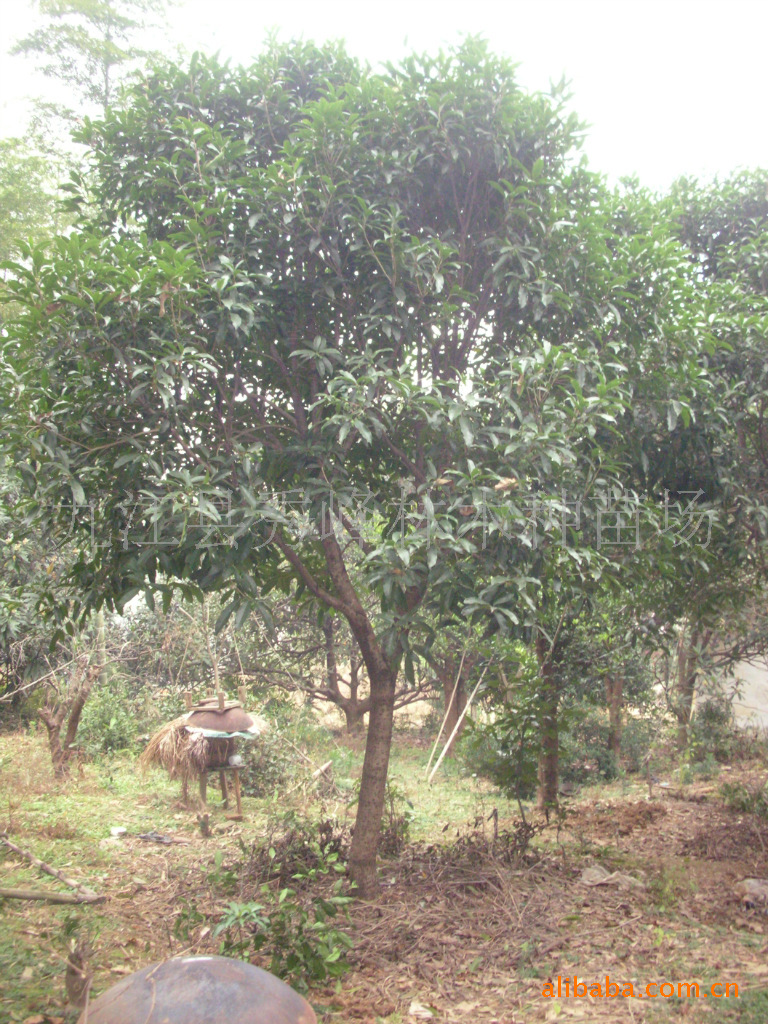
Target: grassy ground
[{"x": 463, "y": 931}]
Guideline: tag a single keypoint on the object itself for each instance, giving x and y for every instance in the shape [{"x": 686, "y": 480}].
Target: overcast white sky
[{"x": 668, "y": 88}]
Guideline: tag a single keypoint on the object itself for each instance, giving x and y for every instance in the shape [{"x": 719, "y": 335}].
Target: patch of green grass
[
  {"x": 32, "y": 972},
  {"x": 669, "y": 885}
]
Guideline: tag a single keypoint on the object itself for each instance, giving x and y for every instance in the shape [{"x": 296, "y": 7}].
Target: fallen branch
[
  {"x": 89, "y": 895},
  {"x": 50, "y": 897}
]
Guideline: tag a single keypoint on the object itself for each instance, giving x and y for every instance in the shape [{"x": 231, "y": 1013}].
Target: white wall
[{"x": 751, "y": 705}]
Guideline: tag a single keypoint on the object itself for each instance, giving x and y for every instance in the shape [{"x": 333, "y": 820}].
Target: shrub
[
  {"x": 396, "y": 822},
  {"x": 713, "y": 729},
  {"x": 746, "y": 799},
  {"x": 110, "y": 719},
  {"x": 584, "y": 751},
  {"x": 269, "y": 765},
  {"x": 505, "y": 752},
  {"x": 637, "y": 739}
]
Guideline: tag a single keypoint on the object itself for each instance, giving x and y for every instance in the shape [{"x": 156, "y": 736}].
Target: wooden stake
[{"x": 188, "y": 699}]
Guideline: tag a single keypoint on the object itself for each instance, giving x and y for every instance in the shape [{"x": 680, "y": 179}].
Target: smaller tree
[
  {"x": 89, "y": 45},
  {"x": 287, "y": 647},
  {"x": 67, "y": 689}
]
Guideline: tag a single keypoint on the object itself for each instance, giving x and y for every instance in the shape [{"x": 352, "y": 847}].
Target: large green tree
[{"x": 326, "y": 328}]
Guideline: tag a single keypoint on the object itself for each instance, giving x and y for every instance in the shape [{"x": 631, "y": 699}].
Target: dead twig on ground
[
  {"x": 49, "y": 897},
  {"x": 87, "y": 895}
]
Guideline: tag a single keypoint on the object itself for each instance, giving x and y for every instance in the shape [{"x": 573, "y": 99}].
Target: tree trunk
[
  {"x": 382, "y": 674},
  {"x": 354, "y": 715},
  {"x": 68, "y": 708},
  {"x": 454, "y": 702},
  {"x": 614, "y": 692},
  {"x": 549, "y": 753},
  {"x": 354, "y": 709},
  {"x": 373, "y": 784},
  {"x": 59, "y": 757},
  {"x": 688, "y": 654}
]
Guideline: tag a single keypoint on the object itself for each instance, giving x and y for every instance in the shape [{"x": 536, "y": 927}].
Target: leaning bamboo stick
[
  {"x": 456, "y": 727},
  {"x": 447, "y": 712},
  {"x": 89, "y": 894}
]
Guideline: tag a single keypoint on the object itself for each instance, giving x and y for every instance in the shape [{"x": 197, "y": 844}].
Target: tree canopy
[{"x": 316, "y": 318}]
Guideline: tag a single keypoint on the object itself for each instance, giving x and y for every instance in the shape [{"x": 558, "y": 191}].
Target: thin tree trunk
[
  {"x": 68, "y": 709},
  {"x": 354, "y": 715},
  {"x": 550, "y": 741},
  {"x": 688, "y": 654},
  {"x": 455, "y": 700},
  {"x": 53, "y": 724},
  {"x": 354, "y": 709},
  {"x": 382, "y": 673},
  {"x": 614, "y": 691}
]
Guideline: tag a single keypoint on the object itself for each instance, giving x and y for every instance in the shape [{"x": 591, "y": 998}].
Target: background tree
[
  {"x": 317, "y": 660},
  {"x": 89, "y": 45},
  {"x": 27, "y": 195},
  {"x": 723, "y": 227}
]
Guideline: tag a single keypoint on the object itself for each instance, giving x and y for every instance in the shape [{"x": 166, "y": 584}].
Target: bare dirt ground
[{"x": 462, "y": 932}]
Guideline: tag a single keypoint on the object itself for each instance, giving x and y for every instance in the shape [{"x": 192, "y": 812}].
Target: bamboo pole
[
  {"x": 447, "y": 711},
  {"x": 456, "y": 727}
]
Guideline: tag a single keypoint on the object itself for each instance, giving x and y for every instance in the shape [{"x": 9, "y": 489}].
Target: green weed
[{"x": 300, "y": 937}]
